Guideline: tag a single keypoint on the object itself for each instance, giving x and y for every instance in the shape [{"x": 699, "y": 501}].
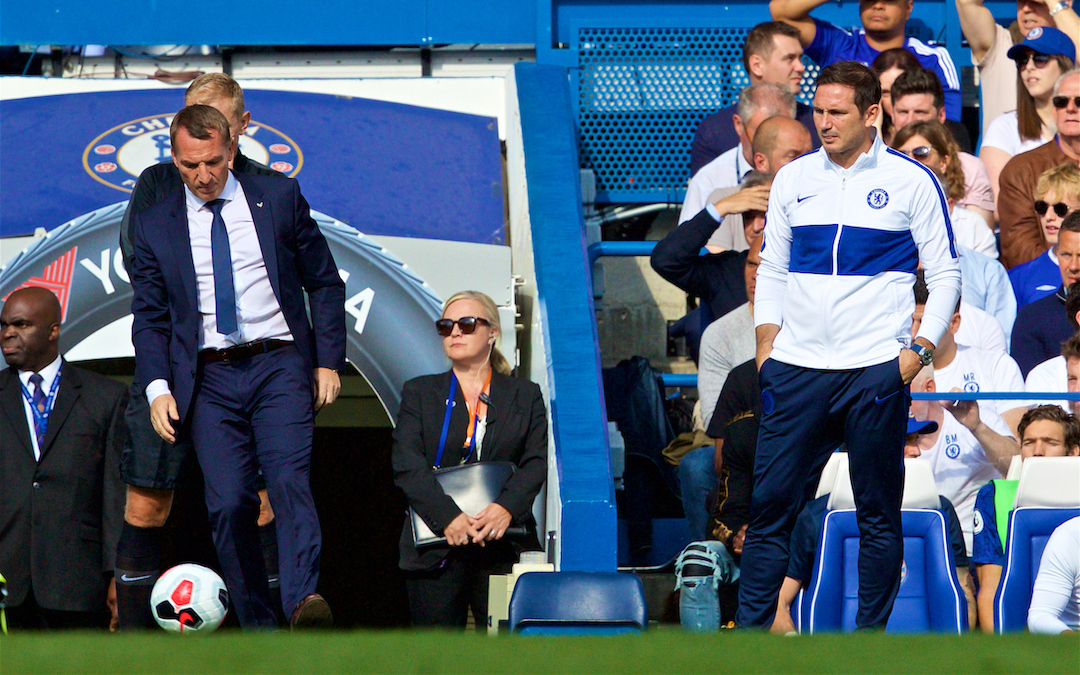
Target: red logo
[
  {"x": 181, "y": 595},
  {"x": 279, "y": 148},
  {"x": 104, "y": 149},
  {"x": 57, "y": 278},
  {"x": 105, "y": 167},
  {"x": 283, "y": 167}
]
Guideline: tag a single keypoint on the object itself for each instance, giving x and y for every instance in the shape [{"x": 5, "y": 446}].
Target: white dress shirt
[
  {"x": 259, "y": 315},
  {"x": 48, "y": 374},
  {"x": 727, "y": 170}
]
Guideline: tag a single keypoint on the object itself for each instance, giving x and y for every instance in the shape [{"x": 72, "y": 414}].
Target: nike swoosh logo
[
  {"x": 802, "y": 199},
  {"x": 125, "y": 578},
  {"x": 882, "y": 399}
]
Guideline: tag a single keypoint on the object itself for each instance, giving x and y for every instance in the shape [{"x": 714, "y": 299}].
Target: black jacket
[
  {"x": 516, "y": 431},
  {"x": 60, "y": 517},
  {"x": 718, "y": 279}
]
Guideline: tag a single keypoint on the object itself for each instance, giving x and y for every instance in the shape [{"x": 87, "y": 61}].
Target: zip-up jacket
[{"x": 839, "y": 257}]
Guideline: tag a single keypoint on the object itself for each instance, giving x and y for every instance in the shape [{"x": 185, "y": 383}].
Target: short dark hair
[
  {"x": 897, "y": 57},
  {"x": 863, "y": 83},
  {"x": 1072, "y": 304},
  {"x": 1070, "y": 349},
  {"x": 760, "y": 40},
  {"x": 1071, "y": 223},
  {"x": 1070, "y": 426},
  {"x": 918, "y": 81},
  {"x": 199, "y": 121},
  {"x": 922, "y": 291}
]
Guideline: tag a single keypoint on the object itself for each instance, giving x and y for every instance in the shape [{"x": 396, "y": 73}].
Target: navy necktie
[
  {"x": 224, "y": 291},
  {"x": 39, "y": 403}
]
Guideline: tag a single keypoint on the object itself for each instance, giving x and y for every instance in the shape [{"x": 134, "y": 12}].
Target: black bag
[{"x": 472, "y": 487}]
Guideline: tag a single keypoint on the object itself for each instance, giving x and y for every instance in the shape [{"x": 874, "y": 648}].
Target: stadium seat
[
  {"x": 1014, "y": 467},
  {"x": 828, "y": 474},
  {"x": 1048, "y": 495},
  {"x": 930, "y": 598},
  {"x": 578, "y": 603}
]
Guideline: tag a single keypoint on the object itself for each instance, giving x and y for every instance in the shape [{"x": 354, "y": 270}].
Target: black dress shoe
[{"x": 312, "y": 612}]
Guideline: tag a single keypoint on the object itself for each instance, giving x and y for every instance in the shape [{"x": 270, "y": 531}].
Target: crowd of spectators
[{"x": 1014, "y": 204}]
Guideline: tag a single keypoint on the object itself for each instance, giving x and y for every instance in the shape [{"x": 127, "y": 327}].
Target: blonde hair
[
  {"x": 491, "y": 313},
  {"x": 1063, "y": 180},
  {"x": 212, "y": 86}
]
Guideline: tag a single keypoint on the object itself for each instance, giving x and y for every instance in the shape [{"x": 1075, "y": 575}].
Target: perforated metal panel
[{"x": 642, "y": 93}]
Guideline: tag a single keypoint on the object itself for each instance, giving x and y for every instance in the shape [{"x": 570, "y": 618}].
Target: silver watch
[
  {"x": 1058, "y": 7},
  {"x": 926, "y": 356}
]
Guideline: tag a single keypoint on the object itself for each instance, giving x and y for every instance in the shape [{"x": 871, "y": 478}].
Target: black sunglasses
[
  {"x": 1040, "y": 60},
  {"x": 1061, "y": 208},
  {"x": 466, "y": 323},
  {"x": 921, "y": 152},
  {"x": 1060, "y": 102}
]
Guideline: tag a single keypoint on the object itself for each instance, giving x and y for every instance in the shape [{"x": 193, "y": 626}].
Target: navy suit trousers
[
  {"x": 247, "y": 414},
  {"x": 806, "y": 415}
]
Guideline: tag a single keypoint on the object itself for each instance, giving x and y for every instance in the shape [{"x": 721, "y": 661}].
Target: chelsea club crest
[
  {"x": 877, "y": 199},
  {"x": 118, "y": 156}
]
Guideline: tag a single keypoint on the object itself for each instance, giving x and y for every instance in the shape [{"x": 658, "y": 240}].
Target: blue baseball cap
[
  {"x": 915, "y": 426},
  {"x": 1046, "y": 40}
]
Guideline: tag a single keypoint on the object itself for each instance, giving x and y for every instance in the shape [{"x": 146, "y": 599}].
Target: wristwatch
[
  {"x": 926, "y": 356},
  {"x": 1058, "y": 7}
]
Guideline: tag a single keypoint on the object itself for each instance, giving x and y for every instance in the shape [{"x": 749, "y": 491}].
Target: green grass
[{"x": 665, "y": 651}]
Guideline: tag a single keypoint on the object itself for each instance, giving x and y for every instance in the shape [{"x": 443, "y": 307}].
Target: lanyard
[
  {"x": 473, "y": 415},
  {"x": 446, "y": 421},
  {"x": 41, "y": 419}
]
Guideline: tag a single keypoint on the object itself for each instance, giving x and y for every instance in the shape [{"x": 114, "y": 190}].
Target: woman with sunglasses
[
  {"x": 1057, "y": 194},
  {"x": 931, "y": 144},
  {"x": 474, "y": 412},
  {"x": 1044, "y": 55}
]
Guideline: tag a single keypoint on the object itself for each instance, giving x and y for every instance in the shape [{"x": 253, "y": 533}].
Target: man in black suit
[
  {"x": 151, "y": 467},
  {"x": 230, "y": 359},
  {"x": 62, "y": 500}
]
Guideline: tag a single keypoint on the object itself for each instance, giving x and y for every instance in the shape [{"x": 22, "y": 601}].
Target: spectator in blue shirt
[{"x": 883, "y": 24}]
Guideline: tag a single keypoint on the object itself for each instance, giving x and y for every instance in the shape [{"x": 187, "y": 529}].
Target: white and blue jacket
[{"x": 839, "y": 258}]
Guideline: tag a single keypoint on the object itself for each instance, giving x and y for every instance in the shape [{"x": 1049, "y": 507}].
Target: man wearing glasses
[
  {"x": 1057, "y": 194},
  {"x": 1021, "y": 235}
]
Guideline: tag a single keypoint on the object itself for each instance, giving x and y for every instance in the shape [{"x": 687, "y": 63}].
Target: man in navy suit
[{"x": 224, "y": 341}]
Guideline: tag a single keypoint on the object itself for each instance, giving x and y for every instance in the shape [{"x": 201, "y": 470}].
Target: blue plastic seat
[
  {"x": 1029, "y": 529},
  {"x": 578, "y": 603},
  {"x": 929, "y": 600}
]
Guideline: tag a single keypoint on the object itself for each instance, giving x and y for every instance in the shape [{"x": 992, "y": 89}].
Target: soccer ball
[{"x": 189, "y": 598}]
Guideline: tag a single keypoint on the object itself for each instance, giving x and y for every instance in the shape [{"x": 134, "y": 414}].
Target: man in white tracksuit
[{"x": 846, "y": 228}]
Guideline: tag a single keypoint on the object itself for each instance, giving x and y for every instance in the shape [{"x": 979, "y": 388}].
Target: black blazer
[
  {"x": 60, "y": 517},
  {"x": 516, "y": 431}
]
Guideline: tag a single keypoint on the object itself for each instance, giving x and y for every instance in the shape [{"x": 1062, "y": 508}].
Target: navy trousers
[
  {"x": 248, "y": 414},
  {"x": 806, "y": 415}
]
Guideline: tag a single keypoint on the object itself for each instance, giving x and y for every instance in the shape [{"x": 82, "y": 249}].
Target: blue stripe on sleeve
[
  {"x": 941, "y": 199},
  {"x": 867, "y": 252},
  {"x": 811, "y": 249}
]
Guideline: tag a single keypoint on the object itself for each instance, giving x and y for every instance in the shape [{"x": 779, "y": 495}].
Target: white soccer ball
[{"x": 189, "y": 598}]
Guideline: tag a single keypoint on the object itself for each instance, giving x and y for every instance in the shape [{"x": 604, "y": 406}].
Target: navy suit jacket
[{"x": 166, "y": 300}]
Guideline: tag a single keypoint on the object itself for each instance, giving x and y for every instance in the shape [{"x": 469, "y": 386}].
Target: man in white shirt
[
  {"x": 61, "y": 499},
  {"x": 1059, "y": 374},
  {"x": 960, "y": 367},
  {"x": 847, "y": 227},
  {"x": 230, "y": 274},
  {"x": 757, "y": 103},
  {"x": 1055, "y": 599},
  {"x": 971, "y": 447}
]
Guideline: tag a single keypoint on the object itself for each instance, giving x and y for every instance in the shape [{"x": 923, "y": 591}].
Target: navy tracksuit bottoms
[{"x": 806, "y": 415}]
